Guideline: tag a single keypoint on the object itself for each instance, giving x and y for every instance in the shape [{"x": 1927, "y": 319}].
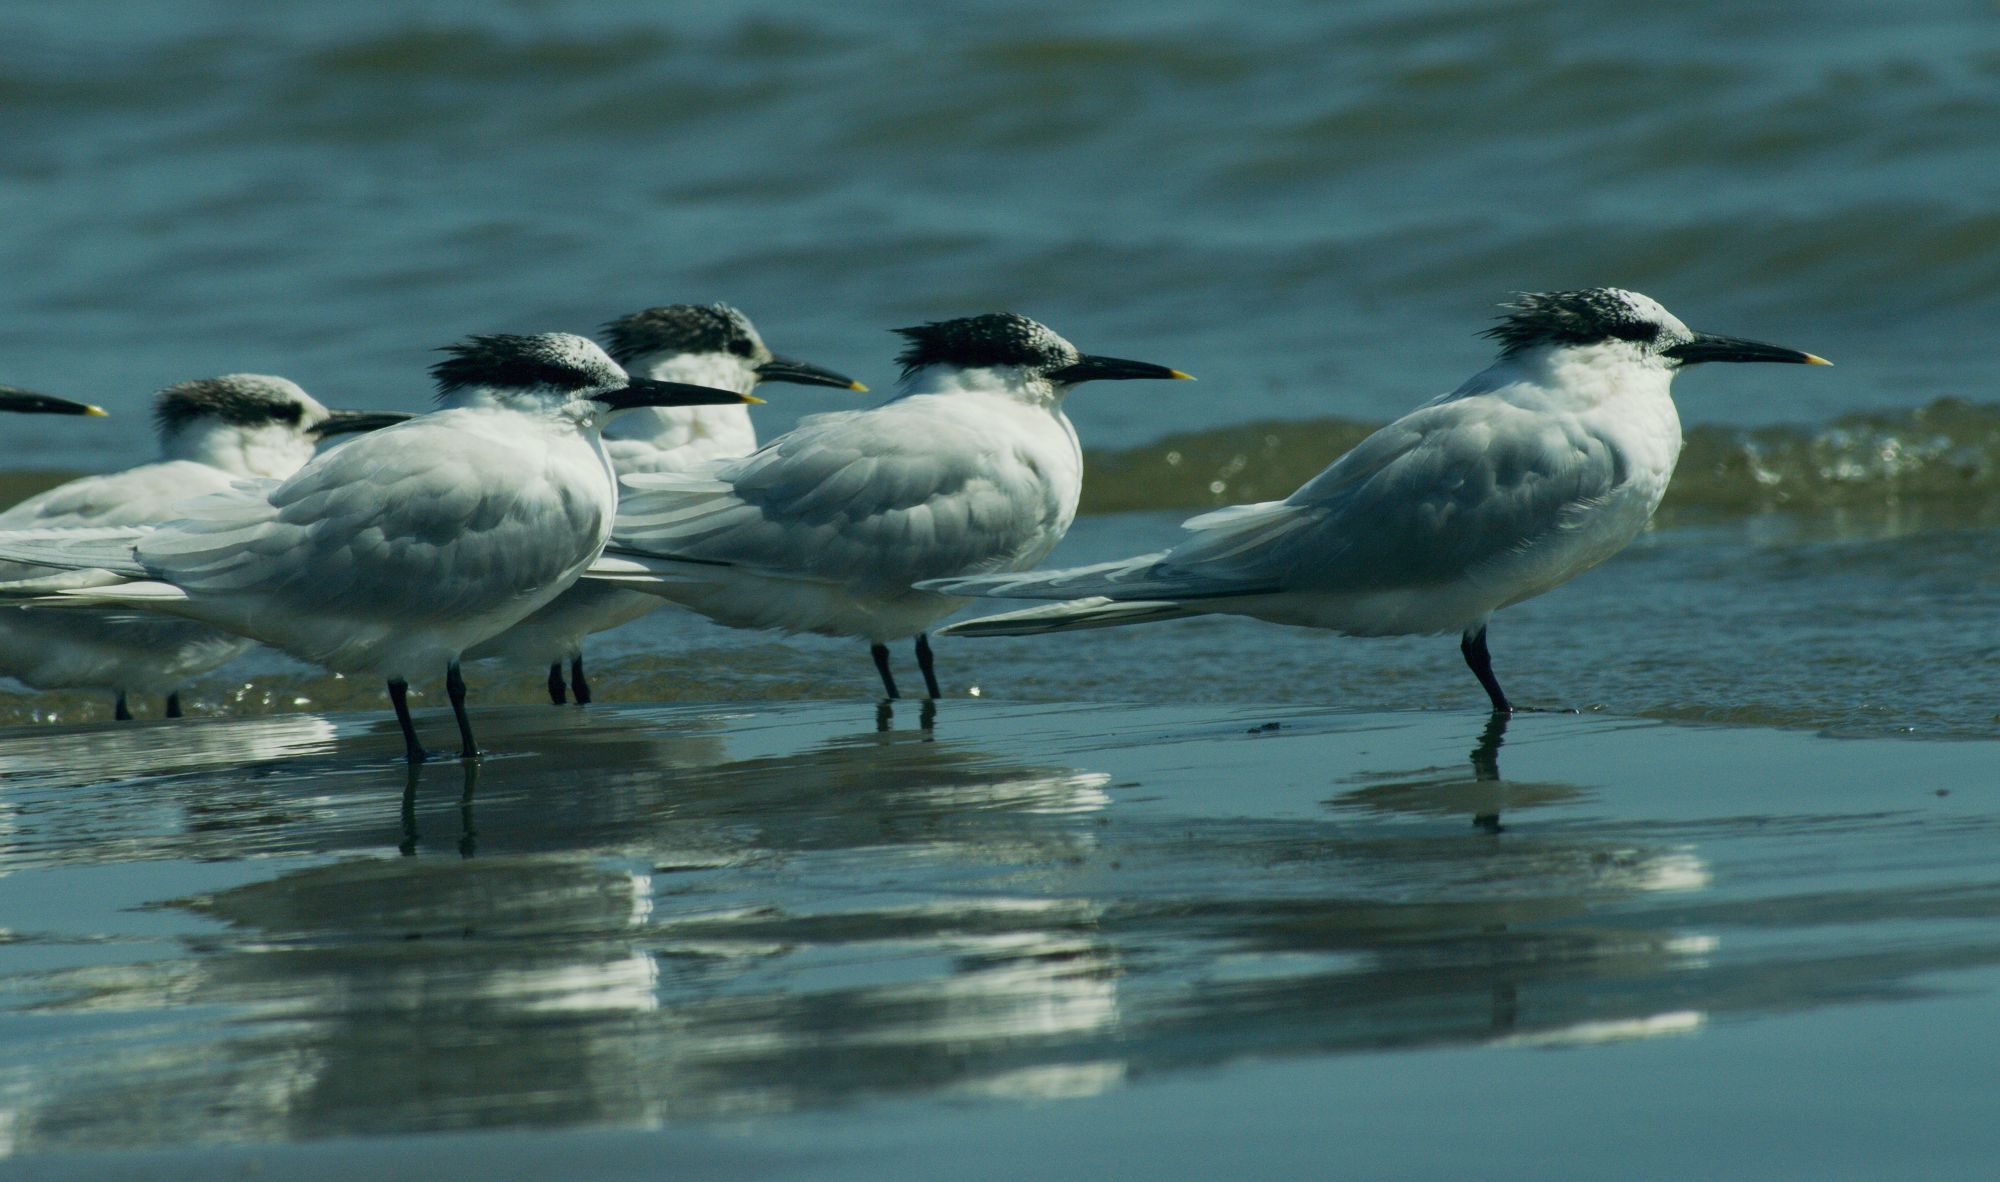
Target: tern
[
  {"x": 1538, "y": 468},
  {"x": 212, "y": 432},
  {"x": 713, "y": 345},
  {"x": 972, "y": 467},
  {"x": 396, "y": 552}
]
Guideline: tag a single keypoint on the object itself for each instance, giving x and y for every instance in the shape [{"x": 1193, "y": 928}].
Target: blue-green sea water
[{"x": 760, "y": 934}]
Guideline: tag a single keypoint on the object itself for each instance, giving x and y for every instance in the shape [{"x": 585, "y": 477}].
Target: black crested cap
[
  {"x": 1574, "y": 318},
  {"x": 510, "y": 361},
  {"x": 243, "y": 400},
  {"x": 683, "y": 328},
  {"x": 996, "y": 338}
]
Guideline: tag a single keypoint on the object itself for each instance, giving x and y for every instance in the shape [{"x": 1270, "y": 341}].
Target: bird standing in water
[
  {"x": 213, "y": 432},
  {"x": 713, "y": 345},
  {"x": 395, "y": 553},
  {"x": 1538, "y": 468},
  {"x": 972, "y": 467}
]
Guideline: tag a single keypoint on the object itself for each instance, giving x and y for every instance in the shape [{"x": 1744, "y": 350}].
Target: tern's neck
[
  {"x": 557, "y": 411},
  {"x": 269, "y": 449},
  {"x": 1012, "y": 382},
  {"x": 1574, "y": 378},
  {"x": 726, "y": 428}
]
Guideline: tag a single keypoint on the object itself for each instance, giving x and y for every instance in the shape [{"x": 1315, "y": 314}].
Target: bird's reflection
[
  {"x": 468, "y": 836},
  {"x": 1448, "y": 791},
  {"x": 682, "y": 913},
  {"x": 1486, "y": 765},
  {"x": 885, "y": 714}
]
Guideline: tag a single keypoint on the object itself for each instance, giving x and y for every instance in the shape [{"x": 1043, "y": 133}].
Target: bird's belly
[
  {"x": 1580, "y": 544},
  {"x": 555, "y": 631},
  {"x": 746, "y": 599}
]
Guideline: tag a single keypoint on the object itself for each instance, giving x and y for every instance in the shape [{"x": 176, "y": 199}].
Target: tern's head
[
  {"x": 27, "y": 402},
  {"x": 556, "y": 372},
  {"x": 251, "y": 424},
  {"x": 1013, "y": 353},
  {"x": 1624, "y": 322},
  {"x": 709, "y": 345}
]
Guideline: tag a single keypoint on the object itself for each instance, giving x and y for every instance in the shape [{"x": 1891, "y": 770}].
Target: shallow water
[
  {"x": 1738, "y": 918},
  {"x": 1863, "y": 623},
  {"x": 749, "y": 921}
]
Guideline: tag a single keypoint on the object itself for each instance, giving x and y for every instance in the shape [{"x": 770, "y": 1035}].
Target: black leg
[
  {"x": 174, "y": 704},
  {"x": 927, "y": 664},
  {"x": 881, "y": 654},
  {"x": 399, "y": 697},
  {"x": 454, "y": 688},
  {"x": 123, "y": 713},
  {"x": 576, "y": 681},
  {"x": 1473, "y": 645},
  {"x": 558, "y": 690}
]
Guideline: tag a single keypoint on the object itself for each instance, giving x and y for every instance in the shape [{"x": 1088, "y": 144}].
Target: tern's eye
[
  {"x": 741, "y": 347},
  {"x": 1635, "y": 330}
]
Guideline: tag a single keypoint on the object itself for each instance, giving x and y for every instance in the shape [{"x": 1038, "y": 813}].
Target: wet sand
[{"x": 825, "y": 939}]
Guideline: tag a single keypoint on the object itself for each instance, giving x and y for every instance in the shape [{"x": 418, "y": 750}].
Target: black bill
[
  {"x": 1092, "y": 368},
  {"x": 805, "y": 373},
  {"x": 27, "y": 402},
  {"x": 647, "y": 392},
  {"x": 1713, "y": 348}
]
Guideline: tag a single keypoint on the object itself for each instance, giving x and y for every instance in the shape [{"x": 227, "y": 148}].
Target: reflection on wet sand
[
  {"x": 679, "y": 915},
  {"x": 1448, "y": 791}
]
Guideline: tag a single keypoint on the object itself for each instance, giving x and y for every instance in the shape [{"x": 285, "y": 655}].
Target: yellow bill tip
[
  {"x": 1816, "y": 359},
  {"x": 1181, "y": 377},
  {"x": 857, "y": 387},
  {"x": 753, "y": 400},
  {"x": 96, "y": 412}
]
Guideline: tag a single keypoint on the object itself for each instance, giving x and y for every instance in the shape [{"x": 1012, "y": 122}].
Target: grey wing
[
  {"x": 845, "y": 500},
  {"x": 1441, "y": 494},
  {"x": 401, "y": 516},
  {"x": 134, "y": 497}
]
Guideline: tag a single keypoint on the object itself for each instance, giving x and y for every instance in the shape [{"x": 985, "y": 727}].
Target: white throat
[
  {"x": 1017, "y": 383},
  {"x": 265, "y": 450},
  {"x": 723, "y": 430}
]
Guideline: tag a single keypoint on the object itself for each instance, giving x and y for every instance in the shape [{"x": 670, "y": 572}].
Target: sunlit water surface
[
  {"x": 1136, "y": 930},
  {"x": 700, "y": 917}
]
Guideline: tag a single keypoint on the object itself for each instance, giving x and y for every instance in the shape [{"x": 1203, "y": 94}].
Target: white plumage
[
  {"x": 395, "y": 553},
  {"x": 213, "y": 432},
  {"x": 1533, "y": 471},
  {"x": 973, "y": 467},
  {"x": 714, "y": 346}
]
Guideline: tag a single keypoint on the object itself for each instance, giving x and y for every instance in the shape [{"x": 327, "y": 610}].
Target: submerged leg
[
  {"x": 928, "y": 665},
  {"x": 399, "y": 697},
  {"x": 881, "y": 654},
  {"x": 122, "y": 712},
  {"x": 174, "y": 704},
  {"x": 1473, "y": 645},
  {"x": 578, "y": 686},
  {"x": 454, "y": 688},
  {"x": 558, "y": 689}
]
